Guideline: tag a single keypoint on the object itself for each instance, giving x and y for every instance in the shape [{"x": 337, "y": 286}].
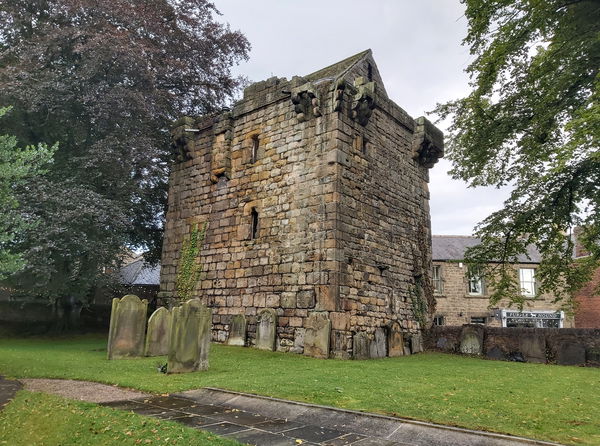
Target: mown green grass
[
  {"x": 37, "y": 419},
  {"x": 534, "y": 400}
]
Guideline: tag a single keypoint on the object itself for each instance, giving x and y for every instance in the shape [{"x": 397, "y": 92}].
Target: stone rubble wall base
[{"x": 565, "y": 346}]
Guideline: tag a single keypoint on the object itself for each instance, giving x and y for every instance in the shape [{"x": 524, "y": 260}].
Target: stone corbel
[
  {"x": 306, "y": 102},
  {"x": 182, "y": 139},
  {"x": 338, "y": 95},
  {"x": 427, "y": 144},
  {"x": 363, "y": 102}
]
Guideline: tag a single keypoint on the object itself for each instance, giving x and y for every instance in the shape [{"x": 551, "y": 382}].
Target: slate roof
[
  {"x": 338, "y": 68},
  {"x": 453, "y": 247},
  {"x": 138, "y": 272}
]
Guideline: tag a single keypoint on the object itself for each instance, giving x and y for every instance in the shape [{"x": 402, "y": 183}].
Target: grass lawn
[
  {"x": 36, "y": 419},
  {"x": 548, "y": 402}
]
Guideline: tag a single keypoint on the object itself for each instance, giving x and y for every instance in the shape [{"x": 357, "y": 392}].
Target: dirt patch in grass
[{"x": 81, "y": 390}]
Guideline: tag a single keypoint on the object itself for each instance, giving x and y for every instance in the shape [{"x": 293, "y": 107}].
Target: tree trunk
[{"x": 67, "y": 314}]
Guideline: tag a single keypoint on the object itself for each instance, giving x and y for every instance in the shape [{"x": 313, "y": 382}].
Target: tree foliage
[
  {"x": 18, "y": 167},
  {"x": 532, "y": 121},
  {"x": 105, "y": 78}
]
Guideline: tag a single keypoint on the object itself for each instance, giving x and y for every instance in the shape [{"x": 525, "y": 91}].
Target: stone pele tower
[{"x": 315, "y": 196}]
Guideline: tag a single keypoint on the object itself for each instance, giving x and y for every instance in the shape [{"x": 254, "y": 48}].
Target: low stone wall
[
  {"x": 566, "y": 346},
  {"x": 37, "y": 317}
]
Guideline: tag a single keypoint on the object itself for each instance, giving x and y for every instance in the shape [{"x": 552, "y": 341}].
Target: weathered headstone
[
  {"x": 190, "y": 337},
  {"x": 298, "y": 341},
  {"x": 317, "y": 335},
  {"x": 237, "y": 330},
  {"x": 569, "y": 353},
  {"x": 341, "y": 344},
  {"x": 360, "y": 346},
  {"x": 471, "y": 341},
  {"x": 378, "y": 346},
  {"x": 159, "y": 331},
  {"x": 470, "y": 344},
  {"x": 395, "y": 340},
  {"x": 592, "y": 355},
  {"x": 416, "y": 343},
  {"x": 495, "y": 353},
  {"x": 266, "y": 329},
  {"x": 533, "y": 348},
  {"x": 442, "y": 343},
  {"x": 127, "y": 327}
]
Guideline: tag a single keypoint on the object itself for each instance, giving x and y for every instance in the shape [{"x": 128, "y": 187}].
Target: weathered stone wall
[
  {"x": 556, "y": 345},
  {"x": 383, "y": 227},
  {"x": 341, "y": 201},
  {"x": 457, "y": 306}
]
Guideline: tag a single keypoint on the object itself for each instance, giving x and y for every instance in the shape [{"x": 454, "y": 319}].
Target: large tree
[
  {"x": 105, "y": 78},
  {"x": 18, "y": 167},
  {"x": 532, "y": 121}
]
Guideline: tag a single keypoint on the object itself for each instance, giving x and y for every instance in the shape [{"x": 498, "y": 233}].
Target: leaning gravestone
[
  {"x": 316, "y": 336},
  {"x": 159, "y": 332},
  {"x": 190, "y": 337},
  {"x": 127, "y": 327},
  {"x": 266, "y": 328},
  {"x": 378, "y": 347},
  {"x": 237, "y": 331},
  {"x": 395, "y": 340},
  {"x": 361, "y": 346}
]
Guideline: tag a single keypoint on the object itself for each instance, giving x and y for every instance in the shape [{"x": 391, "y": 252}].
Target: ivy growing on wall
[
  {"x": 419, "y": 305},
  {"x": 189, "y": 268}
]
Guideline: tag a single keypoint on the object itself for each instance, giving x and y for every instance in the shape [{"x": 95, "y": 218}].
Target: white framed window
[
  {"x": 475, "y": 281},
  {"x": 436, "y": 277},
  {"x": 527, "y": 281}
]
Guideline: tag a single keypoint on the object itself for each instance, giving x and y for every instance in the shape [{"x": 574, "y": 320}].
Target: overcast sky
[{"x": 417, "y": 48}]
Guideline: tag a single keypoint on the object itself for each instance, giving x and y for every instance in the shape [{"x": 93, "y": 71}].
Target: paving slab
[
  {"x": 326, "y": 425},
  {"x": 258, "y": 420}
]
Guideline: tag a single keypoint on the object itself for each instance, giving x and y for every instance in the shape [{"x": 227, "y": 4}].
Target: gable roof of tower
[
  {"x": 339, "y": 68},
  {"x": 349, "y": 69}
]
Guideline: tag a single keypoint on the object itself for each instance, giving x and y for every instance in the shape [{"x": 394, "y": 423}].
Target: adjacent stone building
[
  {"x": 314, "y": 192},
  {"x": 462, "y": 296}
]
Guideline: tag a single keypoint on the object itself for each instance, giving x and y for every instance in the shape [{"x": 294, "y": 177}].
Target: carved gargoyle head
[
  {"x": 181, "y": 139},
  {"x": 428, "y": 143},
  {"x": 306, "y": 102}
]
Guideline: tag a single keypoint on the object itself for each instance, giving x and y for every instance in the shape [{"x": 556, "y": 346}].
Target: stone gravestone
[
  {"x": 360, "y": 346},
  {"x": 317, "y": 335},
  {"x": 127, "y": 327},
  {"x": 395, "y": 340},
  {"x": 471, "y": 342},
  {"x": 495, "y": 353},
  {"x": 570, "y": 354},
  {"x": 190, "y": 337},
  {"x": 533, "y": 348},
  {"x": 159, "y": 331},
  {"x": 378, "y": 347},
  {"x": 266, "y": 329},
  {"x": 237, "y": 330},
  {"x": 416, "y": 343}
]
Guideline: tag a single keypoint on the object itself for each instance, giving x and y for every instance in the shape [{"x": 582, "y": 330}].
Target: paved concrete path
[
  {"x": 264, "y": 421},
  {"x": 8, "y": 388}
]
